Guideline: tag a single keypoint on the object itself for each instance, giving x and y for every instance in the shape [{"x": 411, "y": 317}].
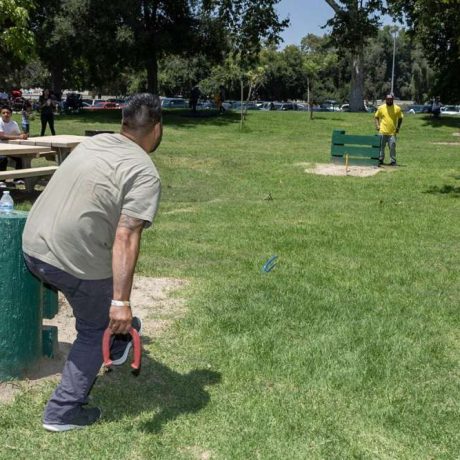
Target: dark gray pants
[
  {"x": 90, "y": 301},
  {"x": 391, "y": 141}
]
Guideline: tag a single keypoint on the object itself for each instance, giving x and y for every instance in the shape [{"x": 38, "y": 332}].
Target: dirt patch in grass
[
  {"x": 330, "y": 169},
  {"x": 152, "y": 302},
  {"x": 446, "y": 143}
]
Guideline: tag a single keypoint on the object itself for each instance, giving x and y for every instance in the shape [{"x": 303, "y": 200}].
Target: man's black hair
[{"x": 141, "y": 112}]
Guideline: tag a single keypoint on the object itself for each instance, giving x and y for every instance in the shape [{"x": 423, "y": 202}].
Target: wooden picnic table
[
  {"x": 27, "y": 153},
  {"x": 63, "y": 144}
]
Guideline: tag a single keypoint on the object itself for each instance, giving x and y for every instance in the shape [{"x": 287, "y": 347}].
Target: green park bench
[{"x": 355, "y": 150}]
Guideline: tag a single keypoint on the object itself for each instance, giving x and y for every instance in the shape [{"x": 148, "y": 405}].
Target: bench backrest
[{"x": 362, "y": 150}]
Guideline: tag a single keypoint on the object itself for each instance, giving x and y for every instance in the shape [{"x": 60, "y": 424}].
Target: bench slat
[
  {"x": 341, "y": 150},
  {"x": 348, "y": 139},
  {"x": 28, "y": 172}
]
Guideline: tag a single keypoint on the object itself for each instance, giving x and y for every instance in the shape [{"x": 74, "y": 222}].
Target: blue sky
[{"x": 307, "y": 16}]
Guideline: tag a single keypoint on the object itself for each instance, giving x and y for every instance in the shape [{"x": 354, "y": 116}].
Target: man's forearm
[
  {"x": 125, "y": 252},
  {"x": 8, "y": 137}
]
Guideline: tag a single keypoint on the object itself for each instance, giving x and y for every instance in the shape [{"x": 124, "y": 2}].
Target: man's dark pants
[{"x": 90, "y": 301}]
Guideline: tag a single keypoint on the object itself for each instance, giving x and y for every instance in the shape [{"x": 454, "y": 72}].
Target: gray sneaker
[
  {"x": 120, "y": 355},
  {"x": 86, "y": 417}
]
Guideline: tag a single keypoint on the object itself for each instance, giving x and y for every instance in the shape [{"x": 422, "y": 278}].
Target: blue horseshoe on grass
[{"x": 270, "y": 264}]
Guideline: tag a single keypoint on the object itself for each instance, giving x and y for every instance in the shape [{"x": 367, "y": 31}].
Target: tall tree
[
  {"x": 249, "y": 24},
  {"x": 435, "y": 24},
  {"x": 16, "y": 39},
  {"x": 57, "y": 26},
  {"x": 355, "y": 21}
]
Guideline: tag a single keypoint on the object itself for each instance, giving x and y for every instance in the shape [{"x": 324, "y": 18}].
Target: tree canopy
[
  {"x": 16, "y": 40},
  {"x": 435, "y": 25}
]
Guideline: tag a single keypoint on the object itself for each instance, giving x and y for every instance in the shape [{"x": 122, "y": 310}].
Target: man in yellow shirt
[{"x": 388, "y": 120}]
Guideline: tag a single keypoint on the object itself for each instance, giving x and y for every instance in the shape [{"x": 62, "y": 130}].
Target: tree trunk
[
  {"x": 357, "y": 83},
  {"x": 309, "y": 100},
  {"x": 152, "y": 72},
  {"x": 56, "y": 80},
  {"x": 242, "y": 99}
]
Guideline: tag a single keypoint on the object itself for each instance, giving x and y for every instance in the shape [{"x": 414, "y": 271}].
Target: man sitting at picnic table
[{"x": 9, "y": 130}]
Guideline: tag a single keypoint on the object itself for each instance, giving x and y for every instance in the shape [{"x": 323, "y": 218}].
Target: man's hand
[
  {"x": 120, "y": 319},
  {"x": 23, "y": 136}
]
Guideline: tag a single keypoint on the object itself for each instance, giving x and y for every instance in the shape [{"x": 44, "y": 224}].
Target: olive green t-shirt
[{"x": 72, "y": 225}]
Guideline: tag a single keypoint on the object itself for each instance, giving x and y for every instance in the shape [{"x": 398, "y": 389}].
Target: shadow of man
[{"x": 160, "y": 390}]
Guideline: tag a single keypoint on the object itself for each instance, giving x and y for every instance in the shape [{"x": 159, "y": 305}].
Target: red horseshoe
[{"x": 137, "y": 349}]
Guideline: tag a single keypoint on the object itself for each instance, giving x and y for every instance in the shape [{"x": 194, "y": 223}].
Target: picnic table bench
[
  {"x": 53, "y": 148},
  {"x": 350, "y": 149},
  {"x": 27, "y": 153}
]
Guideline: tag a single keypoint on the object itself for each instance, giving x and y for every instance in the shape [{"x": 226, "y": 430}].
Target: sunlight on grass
[{"x": 348, "y": 348}]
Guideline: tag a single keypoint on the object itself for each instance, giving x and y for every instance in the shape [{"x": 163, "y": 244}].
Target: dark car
[
  {"x": 288, "y": 106},
  {"x": 174, "y": 103},
  {"x": 73, "y": 102}
]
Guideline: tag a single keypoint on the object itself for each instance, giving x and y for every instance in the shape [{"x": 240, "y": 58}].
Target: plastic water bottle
[{"x": 6, "y": 202}]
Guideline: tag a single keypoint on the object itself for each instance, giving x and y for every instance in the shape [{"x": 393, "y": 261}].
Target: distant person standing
[
  {"x": 194, "y": 97},
  {"x": 436, "y": 107},
  {"x": 221, "y": 98},
  {"x": 47, "y": 103},
  {"x": 388, "y": 120},
  {"x": 25, "y": 116},
  {"x": 4, "y": 99}
]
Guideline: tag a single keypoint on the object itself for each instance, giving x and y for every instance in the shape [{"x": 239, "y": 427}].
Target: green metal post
[{"x": 23, "y": 300}]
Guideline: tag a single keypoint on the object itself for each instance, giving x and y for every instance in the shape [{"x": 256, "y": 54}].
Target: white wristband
[{"x": 120, "y": 303}]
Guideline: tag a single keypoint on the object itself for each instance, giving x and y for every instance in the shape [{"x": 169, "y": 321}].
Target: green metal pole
[{"x": 20, "y": 304}]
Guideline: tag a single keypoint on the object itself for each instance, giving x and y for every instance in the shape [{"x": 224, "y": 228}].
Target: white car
[{"x": 450, "y": 110}]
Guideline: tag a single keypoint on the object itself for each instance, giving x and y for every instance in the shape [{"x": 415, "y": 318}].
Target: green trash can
[{"x": 24, "y": 303}]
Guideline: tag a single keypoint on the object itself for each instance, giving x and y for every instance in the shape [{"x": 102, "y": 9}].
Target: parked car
[
  {"x": 174, "y": 103},
  {"x": 270, "y": 106},
  {"x": 418, "y": 108},
  {"x": 208, "y": 105},
  {"x": 288, "y": 106},
  {"x": 450, "y": 110},
  {"x": 329, "y": 106},
  {"x": 303, "y": 107},
  {"x": 368, "y": 108},
  {"x": 102, "y": 105},
  {"x": 251, "y": 105},
  {"x": 73, "y": 102}
]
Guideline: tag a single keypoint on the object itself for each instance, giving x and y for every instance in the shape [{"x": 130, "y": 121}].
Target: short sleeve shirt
[
  {"x": 73, "y": 223},
  {"x": 9, "y": 128},
  {"x": 388, "y": 116}
]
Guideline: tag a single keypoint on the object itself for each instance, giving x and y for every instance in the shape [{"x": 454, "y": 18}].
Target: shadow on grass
[
  {"x": 445, "y": 120},
  {"x": 445, "y": 190},
  {"x": 163, "y": 392},
  {"x": 183, "y": 118},
  {"x": 23, "y": 197}
]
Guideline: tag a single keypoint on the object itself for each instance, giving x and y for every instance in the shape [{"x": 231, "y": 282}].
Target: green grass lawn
[{"x": 349, "y": 348}]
